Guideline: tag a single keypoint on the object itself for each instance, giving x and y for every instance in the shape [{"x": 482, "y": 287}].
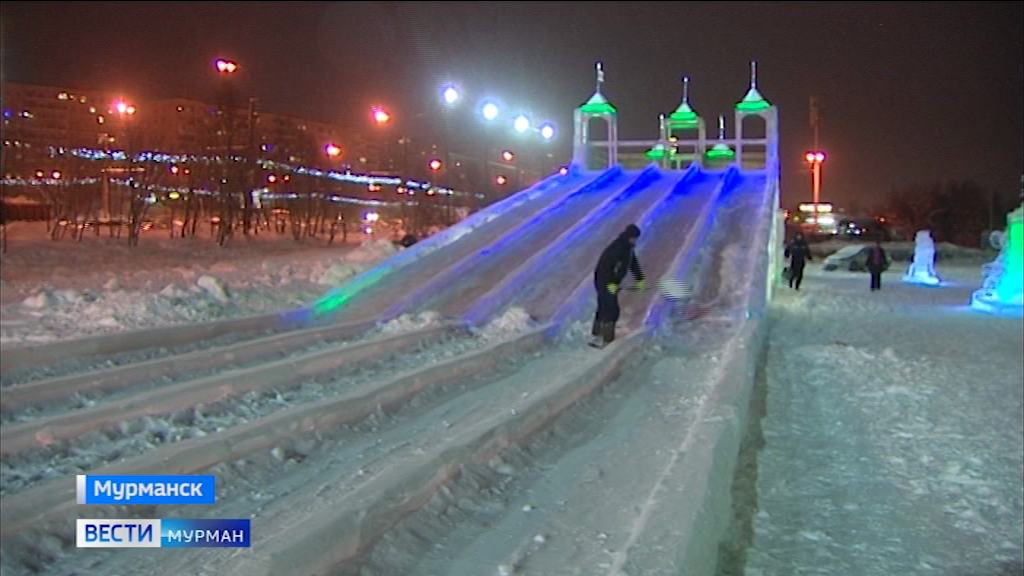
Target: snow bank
[{"x": 56, "y": 291}]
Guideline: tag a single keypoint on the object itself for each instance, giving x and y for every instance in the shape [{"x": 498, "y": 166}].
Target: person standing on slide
[{"x": 615, "y": 262}]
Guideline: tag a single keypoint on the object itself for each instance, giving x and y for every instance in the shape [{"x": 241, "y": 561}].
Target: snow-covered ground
[
  {"x": 55, "y": 291},
  {"x": 893, "y": 432},
  {"x": 891, "y": 421}
]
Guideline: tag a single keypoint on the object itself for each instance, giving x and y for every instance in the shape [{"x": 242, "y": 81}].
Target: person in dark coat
[
  {"x": 799, "y": 254},
  {"x": 615, "y": 262},
  {"x": 876, "y": 264}
]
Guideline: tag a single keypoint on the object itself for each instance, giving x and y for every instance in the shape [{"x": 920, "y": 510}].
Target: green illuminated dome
[
  {"x": 719, "y": 151},
  {"x": 598, "y": 104},
  {"x": 684, "y": 116},
  {"x": 753, "y": 102},
  {"x": 660, "y": 151}
]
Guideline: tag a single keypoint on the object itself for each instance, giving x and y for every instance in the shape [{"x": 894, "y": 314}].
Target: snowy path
[{"x": 893, "y": 434}]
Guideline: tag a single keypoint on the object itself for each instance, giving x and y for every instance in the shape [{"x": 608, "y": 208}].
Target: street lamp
[
  {"x": 489, "y": 110},
  {"x": 124, "y": 108},
  {"x": 226, "y": 66},
  {"x": 815, "y": 159},
  {"x": 124, "y": 111},
  {"x": 382, "y": 118},
  {"x": 547, "y": 131},
  {"x": 450, "y": 95},
  {"x": 521, "y": 124}
]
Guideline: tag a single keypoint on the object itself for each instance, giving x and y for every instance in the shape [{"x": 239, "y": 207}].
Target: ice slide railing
[
  {"x": 338, "y": 297},
  {"x": 441, "y": 284},
  {"x": 582, "y": 297},
  {"x": 704, "y": 485},
  {"x": 551, "y": 260}
]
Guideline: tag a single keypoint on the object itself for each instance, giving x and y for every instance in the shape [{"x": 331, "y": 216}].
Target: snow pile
[
  {"x": 55, "y": 291},
  {"x": 903, "y": 251},
  {"x": 412, "y": 322},
  {"x": 512, "y": 323}
]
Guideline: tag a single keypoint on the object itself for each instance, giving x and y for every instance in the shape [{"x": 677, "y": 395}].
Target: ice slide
[
  {"x": 492, "y": 394},
  {"x": 541, "y": 258}
]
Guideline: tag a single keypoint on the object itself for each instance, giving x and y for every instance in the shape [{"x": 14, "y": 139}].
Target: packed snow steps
[
  {"x": 55, "y": 501},
  {"x": 167, "y": 399},
  {"x": 120, "y": 377}
]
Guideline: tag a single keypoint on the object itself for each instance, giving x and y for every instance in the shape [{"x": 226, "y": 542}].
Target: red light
[
  {"x": 226, "y": 66},
  {"x": 381, "y": 116},
  {"x": 435, "y": 164},
  {"x": 501, "y": 180}
]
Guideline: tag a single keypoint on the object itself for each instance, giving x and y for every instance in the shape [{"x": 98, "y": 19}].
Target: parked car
[{"x": 853, "y": 258}]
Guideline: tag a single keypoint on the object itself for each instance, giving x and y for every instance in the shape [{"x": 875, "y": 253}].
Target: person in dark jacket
[
  {"x": 876, "y": 264},
  {"x": 799, "y": 254},
  {"x": 615, "y": 262}
]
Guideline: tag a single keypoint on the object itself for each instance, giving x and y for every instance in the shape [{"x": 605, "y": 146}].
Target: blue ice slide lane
[
  {"x": 693, "y": 195},
  {"x": 544, "y": 276},
  {"x": 445, "y": 238},
  {"x": 516, "y": 254},
  {"x": 446, "y": 286},
  {"x": 688, "y": 264}
]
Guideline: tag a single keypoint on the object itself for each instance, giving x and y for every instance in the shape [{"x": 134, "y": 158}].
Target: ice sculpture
[
  {"x": 922, "y": 269},
  {"x": 1001, "y": 289}
]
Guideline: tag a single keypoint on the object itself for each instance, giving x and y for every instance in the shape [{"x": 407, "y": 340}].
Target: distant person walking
[
  {"x": 799, "y": 254},
  {"x": 877, "y": 263},
  {"x": 615, "y": 262}
]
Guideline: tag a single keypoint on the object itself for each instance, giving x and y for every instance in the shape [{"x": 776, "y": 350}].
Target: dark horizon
[{"x": 911, "y": 93}]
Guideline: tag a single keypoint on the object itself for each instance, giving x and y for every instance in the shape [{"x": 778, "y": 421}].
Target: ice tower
[
  {"x": 596, "y": 107},
  {"x": 682, "y": 120},
  {"x": 682, "y": 138},
  {"x": 753, "y": 104},
  {"x": 1001, "y": 291}
]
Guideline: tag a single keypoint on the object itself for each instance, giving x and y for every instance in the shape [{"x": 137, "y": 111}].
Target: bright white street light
[
  {"x": 521, "y": 124},
  {"x": 450, "y": 94},
  {"x": 489, "y": 110},
  {"x": 547, "y": 131}
]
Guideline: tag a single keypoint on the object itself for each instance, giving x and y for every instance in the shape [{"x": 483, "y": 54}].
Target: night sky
[{"x": 911, "y": 92}]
